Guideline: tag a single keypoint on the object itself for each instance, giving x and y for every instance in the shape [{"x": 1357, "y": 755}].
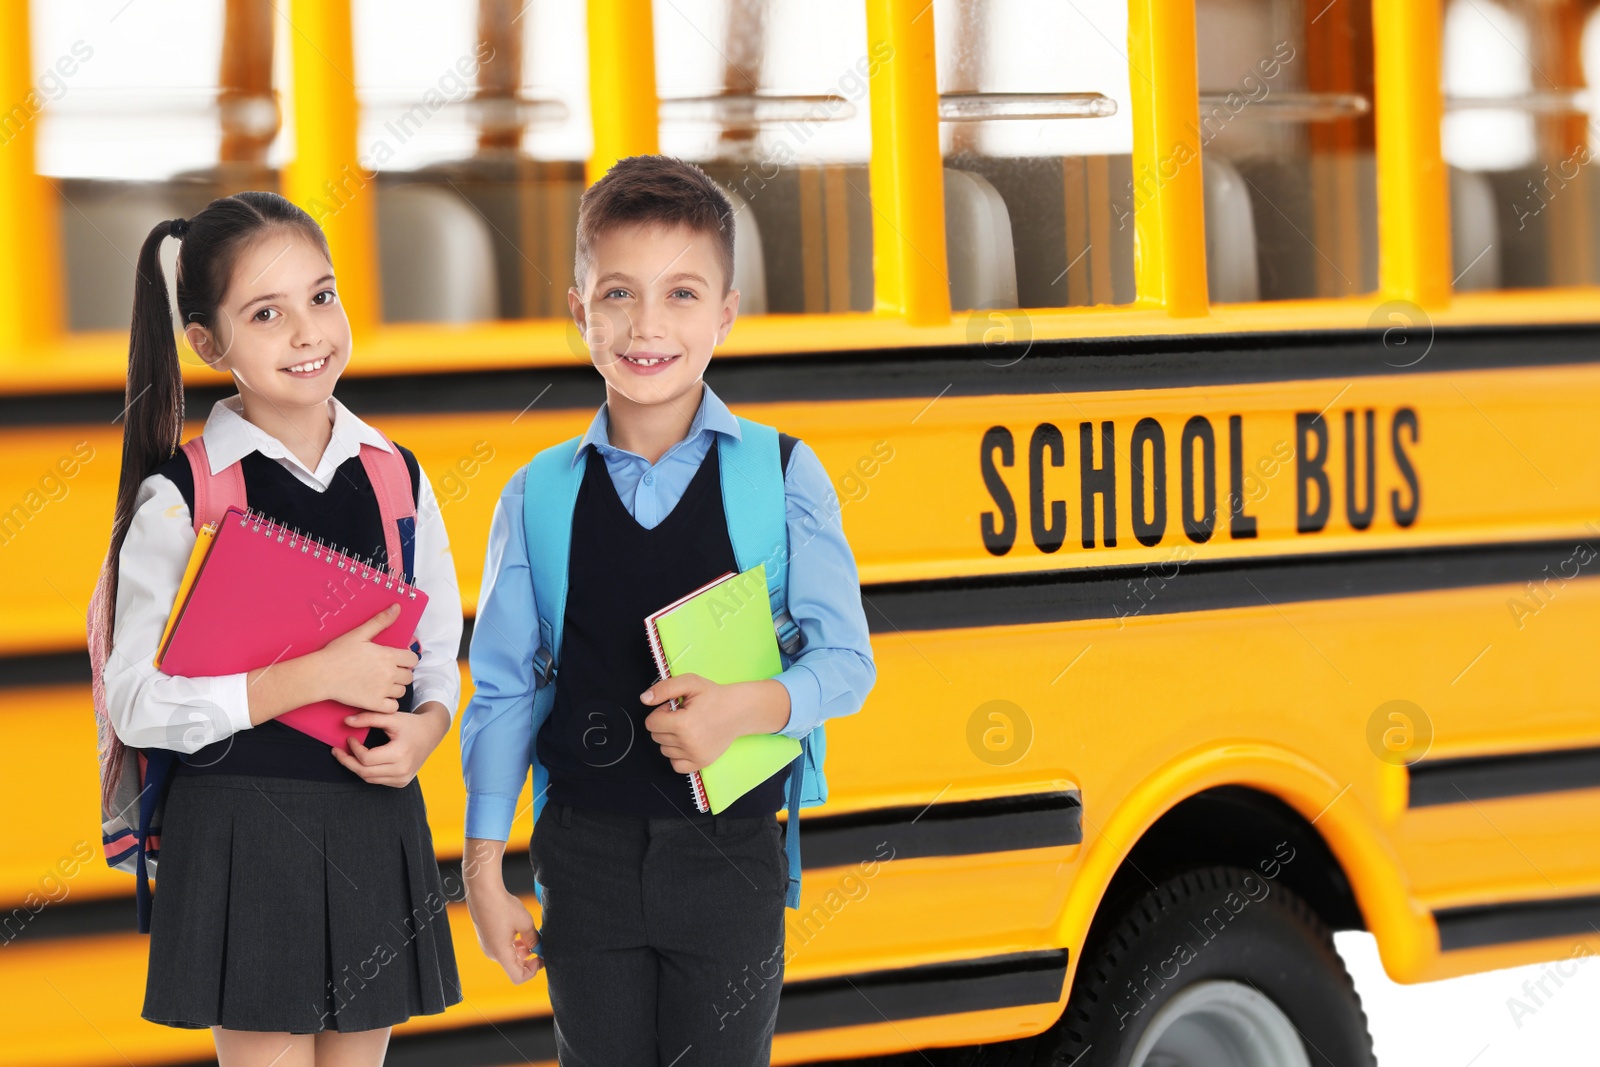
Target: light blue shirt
[{"x": 831, "y": 677}]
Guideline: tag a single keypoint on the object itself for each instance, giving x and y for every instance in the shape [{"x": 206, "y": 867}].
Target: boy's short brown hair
[{"x": 655, "y": 191}]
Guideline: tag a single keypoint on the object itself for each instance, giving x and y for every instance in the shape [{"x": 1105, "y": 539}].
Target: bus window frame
[{"x": 911, "y": 296}]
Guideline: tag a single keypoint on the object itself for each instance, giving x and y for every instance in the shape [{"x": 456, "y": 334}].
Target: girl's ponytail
[
  {"x": 152, "y": 421},
  {"x": 152, "y": 424}
]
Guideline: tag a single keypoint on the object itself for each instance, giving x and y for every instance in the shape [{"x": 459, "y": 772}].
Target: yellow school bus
[{"x": 1211, "y": 394}]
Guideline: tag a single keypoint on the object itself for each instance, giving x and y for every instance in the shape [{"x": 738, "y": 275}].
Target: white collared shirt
[{"x": 151, "y": 709}]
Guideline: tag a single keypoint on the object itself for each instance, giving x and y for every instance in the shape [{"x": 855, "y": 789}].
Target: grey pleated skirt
[{"x": 291, "y": 905}]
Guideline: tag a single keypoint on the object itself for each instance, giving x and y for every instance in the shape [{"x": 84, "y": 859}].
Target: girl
[{"x": 299, "y": 911}]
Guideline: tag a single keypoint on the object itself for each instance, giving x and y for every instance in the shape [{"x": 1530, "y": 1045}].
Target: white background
[{"x": 1462, "y": 1021}]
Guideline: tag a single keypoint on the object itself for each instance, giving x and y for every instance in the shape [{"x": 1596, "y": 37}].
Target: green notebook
[{"x": 724, "y": 631}]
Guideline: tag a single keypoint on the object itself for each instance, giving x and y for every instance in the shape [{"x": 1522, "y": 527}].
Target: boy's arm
[
  {"x": 497, "y": 723},
  {"x": 834, "y": 671}
]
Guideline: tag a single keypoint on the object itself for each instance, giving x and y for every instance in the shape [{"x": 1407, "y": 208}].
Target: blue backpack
[{"x": 753, "y": 500}]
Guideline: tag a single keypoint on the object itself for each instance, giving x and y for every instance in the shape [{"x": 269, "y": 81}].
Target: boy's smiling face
[{"x": 651, "y": 310}]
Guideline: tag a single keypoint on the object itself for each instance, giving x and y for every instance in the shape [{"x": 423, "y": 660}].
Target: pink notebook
[{"x": 267, "y": 593}]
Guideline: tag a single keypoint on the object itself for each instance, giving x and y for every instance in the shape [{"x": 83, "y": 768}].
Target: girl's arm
[
  {"x": 437, "y": 675},
  {"x": 148, "y": 708}
]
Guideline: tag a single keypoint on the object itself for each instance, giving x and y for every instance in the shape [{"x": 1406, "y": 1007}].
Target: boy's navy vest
[
  {"x": 595, "y": 744},
  {"x": 753, "y": 501}
]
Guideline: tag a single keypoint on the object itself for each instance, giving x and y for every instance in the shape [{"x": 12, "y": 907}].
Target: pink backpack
[{"x": 133, "y": 782}]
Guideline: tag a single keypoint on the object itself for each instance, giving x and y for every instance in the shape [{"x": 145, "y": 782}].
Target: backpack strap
[
  {"x": 213, "y": 493},
  {"x": 755, "y": 502},
  {"x": 386, "y": 470},
  {"x": 549, "y": 497},
  {"x": 786, "y": 449},
  {"x": 391, "y": 482},
  {"x": 756, "y": 507},
  {"x": 142, "y": 789}
]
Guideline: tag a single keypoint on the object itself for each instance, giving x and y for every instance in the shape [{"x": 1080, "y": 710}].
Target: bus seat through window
[
  {"x": 749, "y": 266},
  {"x": 982, "y": 261},
  {"x": 1231, "y": 270},
  {"x": 1474, "y": 231},
  {"x": 103, "y": 225},
  {"x": 436, "y": 256}
]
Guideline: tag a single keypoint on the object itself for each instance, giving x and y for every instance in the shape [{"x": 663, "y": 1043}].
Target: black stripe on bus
[
  {"x": 1015, "y": 980},
  {"x": 1087, "y": 593},
  {"x": 1452, "y": 781},
  {"x": 1478, "y": 925},
  {"x": 45, "y": 668},
  {"x": 1077, "y": 365},
  {"x": 1129, "y": 591},
  {"x": 952, "y": 828}
]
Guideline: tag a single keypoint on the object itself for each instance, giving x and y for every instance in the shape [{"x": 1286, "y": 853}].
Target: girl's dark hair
[{"x": 153, "y": 417}]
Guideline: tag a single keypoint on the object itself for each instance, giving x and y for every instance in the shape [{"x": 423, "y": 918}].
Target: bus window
[
  {"x": 769, "y": 97},
  {"x": 1037, "y": 136},
  {"x": 128, "y": 138},
  {"x": 474, "y": 119},
  {"x": 1286, "y": 137},
  {"x": 1523, "y": 202}
]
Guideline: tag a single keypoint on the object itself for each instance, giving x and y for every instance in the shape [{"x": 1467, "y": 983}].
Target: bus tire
[
  {"x": 1270, "y": 956},
  {"x": 1239, "y": 929}
]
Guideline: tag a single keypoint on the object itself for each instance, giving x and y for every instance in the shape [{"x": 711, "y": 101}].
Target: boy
[{"x": 656, "y": 916}]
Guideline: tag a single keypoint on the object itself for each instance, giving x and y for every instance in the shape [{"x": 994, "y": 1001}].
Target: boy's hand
[
  {"x": 505, "y": 931},
  {"x": 412, "y": 738},
  {"x": 502, "y": 921},
  {"x": 710, "y": 716}
]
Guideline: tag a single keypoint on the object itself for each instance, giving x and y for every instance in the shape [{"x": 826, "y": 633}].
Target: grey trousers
[{"x": 662, "y": 938}]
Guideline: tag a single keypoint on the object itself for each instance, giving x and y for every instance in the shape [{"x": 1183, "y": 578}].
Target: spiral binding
[
  {"x": 697, "y": 789},
  {"x": 314, "y": 547}
]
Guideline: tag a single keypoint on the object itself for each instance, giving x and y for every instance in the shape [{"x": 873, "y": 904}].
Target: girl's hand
[
  {"x": 412, "y": 738},
  {"x": 506, "y": 933},
  {"x": 364, "y": 674}
]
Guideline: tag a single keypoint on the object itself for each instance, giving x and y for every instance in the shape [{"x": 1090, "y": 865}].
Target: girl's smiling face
[
  {"x": 652, "y": 309},
  {"x": 280, "y": 329}
]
